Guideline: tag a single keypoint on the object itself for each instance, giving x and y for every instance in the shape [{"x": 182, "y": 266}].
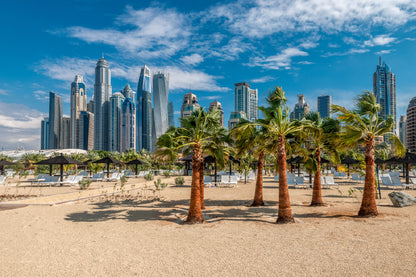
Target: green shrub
[
  {"x": 84, "y": 184},
  {"x": 166, "y": 173},
  {"x": 149, "y": 176},
  {"x": 179, "y": 181},
  {"x": 159, "y": 185}
]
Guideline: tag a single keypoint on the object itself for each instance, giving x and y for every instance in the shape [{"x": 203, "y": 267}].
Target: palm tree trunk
[
  {"x": 201, "y": 186},
  {"x": 195, "y": 213},
  {"x": 316, "y": 191},
  {"x": 368, "y": 204},
  {"x": 285, "y": 212},
  {"x": 258, "y": 193}
]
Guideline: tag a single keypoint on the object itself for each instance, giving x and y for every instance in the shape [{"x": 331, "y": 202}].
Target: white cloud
[
  {"x": 379, "y": 40},
  {"x": 263, "y": 79},
  {"x": 19, "y": 126},
  {"x": 211, "y": 97},
  {"x": 3, "y": 92},
  {"x": 349, "y": 52},
  {"x": 267, "y": 17},
  {"x": 193, "y": 59},
  {"x": 281, "y": 60},
  {"x": 151, "y": 32},
  {"x": 231, "y": 50},
  {"x": 383, "y": 52},
  {"x": 41, "y": 95}
]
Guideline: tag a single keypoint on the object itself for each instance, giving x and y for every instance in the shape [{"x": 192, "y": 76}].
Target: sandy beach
[{"x": 145, "y": 236}]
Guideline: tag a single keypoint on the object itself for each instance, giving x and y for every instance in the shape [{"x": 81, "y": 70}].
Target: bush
[
  {"x": 179, "y": 181},
  {"x": 84, "y": 184},
  {"x": 159, "y": 185},
  {"x": 149, "y": 176},
  {"x": 166, "y": 173}
]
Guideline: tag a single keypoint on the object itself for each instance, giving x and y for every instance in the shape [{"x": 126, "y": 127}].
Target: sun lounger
[
  {"x": 251, "y": 176},
  {"x": 207, "y": 180},
  {"x": 2, "y": 179},
  {"x": 98, "y": 177},
  {"x": 300, "y": 182},
  {"x": 329, "y": 181},
  {"x": 50, "y": 180},
  {"x": 397, "y": 183},
  {"x": 276, "y": 178},
  {"x": 227, "y": 180},
  {"x": 291, "y": 181}
]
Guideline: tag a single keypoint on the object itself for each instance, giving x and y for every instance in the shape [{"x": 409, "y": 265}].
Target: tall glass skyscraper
[
  {"x": 144, "y": 111},
  {"x": 55, "y": 122},
  {"x": 44, "y": 133},
  {"x": 86, "y": 130},
  {"x": 128, "y": 125},
  {"x": 384, "y": 88},
  {"x": 324, "y": 106},
  {"x": 246, "y": 100},
  {"x": 102, "y": 94},
  {"x": 78, "y": 104},
  {"x": 66, "y": 132},
  {"x": 160, "y": 104},
  {"x": 128, "y": 92},
  {"x": 171, "y": 118},
  {"x": 116, "y": 101}
]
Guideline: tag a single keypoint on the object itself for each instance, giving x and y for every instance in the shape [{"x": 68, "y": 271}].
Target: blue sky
[{"x": 310, "y": 47}]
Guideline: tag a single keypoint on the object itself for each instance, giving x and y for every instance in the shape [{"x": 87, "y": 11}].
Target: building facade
[
  {"x": 128, "y": 125},
  {"x": 128, "y": 92},
  {"x": 301, "y": 108},
  {"x": 171, "y": 118},
  {"x": 116, "y": 101},
  {"x": 402, "y": 129},
  {"x": 102, "y": 94},
  {"x": 235, "y": 118},
  {"x": 86, "y": 130},
  {"x": 144, "y": 111},
  {"x": 55, "y": 121},
  {"x": 246, "y": 100},
  {"x": 66, "y": 132},
  {"x": 384, "y": 88},
  {"x": 411, "y": 126},
  {"x": 44, "y": 133},
  {"x": 189, "y": 104},
  {"x": 324, "y": 106},
  {"x": 217, "y": 105},
  {"x": 160, "y": 105},
  {"x": 78, "y": 104}
]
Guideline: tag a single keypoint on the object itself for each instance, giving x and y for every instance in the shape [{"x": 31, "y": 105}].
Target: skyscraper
[
  {"x": 384, "y": 88},
  {"x": 116, "y": 101},
  {"x": 301, "y": 108},
  {"x": 217, "y": 105},
  {"x": 128, "y": 125},
  {"x": 171, "y": 118},
  {"x": 246, "y": 100},
  {"x": 55, "y": 121},
  {"x": 78, "y": 104},
  {"x": 86, "y": 130},
  {"x": 144, "y": 111},
  {"x": 128, "y": 92},
  {"x": 160, "y": 104},
  {"x": 66, "y": 132},
  {"x": 90, "y": 106},
  {"x": 44, "y": 133},
  {"x": 324, "y": 106},
  {"x": 189, "y": 104},
  {"x": 402, "y": 129},
  {"x": 102, "y": 94},
  {"x": 411, "y": 126},
  {"x": 235, "y": 118}
]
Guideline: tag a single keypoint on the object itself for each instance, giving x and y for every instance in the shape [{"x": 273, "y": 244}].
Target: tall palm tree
[
  {"x": 197, "y": 131},
  {"x": 167, "y": 146},
  {"x": 322, "y": 136},
  {"x": 278, "y": 130},
  {"x": 248, "y": 137},
  {"x": 363, "y": 124}
]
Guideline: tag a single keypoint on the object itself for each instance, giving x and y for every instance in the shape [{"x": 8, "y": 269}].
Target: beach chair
[
  {"x": 300, "y": 182},
  {"x": 394, "y": 174},
  {"x": 2, "y": 179},
  {"x": 355, "y": 177},
  {"x": 233, "y": 181},
  {"x": 50, "y": 180},
  {"x": 207, "y": 180},
  {"x": 98, "y": 177},
  {"x": 329, "y": 181},
  {"x": 225, "y": 180},
  {"x": 291, "y": 181},
  {"x": 386, "y": 181},
  {"x": 251, "y": 176},
  {"x": 276, "y": 178},
  {"x": 397, "y": 183},
  {"x": 342, "y": 174}
]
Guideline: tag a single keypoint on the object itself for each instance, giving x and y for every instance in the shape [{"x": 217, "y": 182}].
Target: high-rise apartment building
[
  {"x": 235, "y": 118},
  {"x": 171, "y": 118},
  {"x": 144, "y": 111},
  {"x": 217, "y": 105},
  {"x": 44, "y": 133},
  {"x": 402, "y": 129},
  {"x": 116, "y": 101},
  {"x": 128, "y": 92},
  {"x": 128, "y": 125},
  {"x": 189, "y": 104},
  {"x": 66, "y": 132},
  {"x": 324, "y": 106},
  {"x": 246, "y": 100},
  {"x": 86, "y": 130},
  {"x": 301, "y": 108},
  {"x": 55, "y": 121},
  {"x": 102, "y": 94},
  {"x": 160, "y": 104},
  {"x": 411, "y": 126},
  {"x": 90, "y": 106},
  {"x": 78, "y": 104},
  {"x": 384, "y": 88}
]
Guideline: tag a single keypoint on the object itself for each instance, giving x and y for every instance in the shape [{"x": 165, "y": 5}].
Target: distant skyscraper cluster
[
  {"x": 111, "y": 122},
  {"x": 245, "y": 104}
]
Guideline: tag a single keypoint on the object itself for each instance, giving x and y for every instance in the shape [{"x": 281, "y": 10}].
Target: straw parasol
[
  {"x": 108, "y": 160},
  {"x": 136, "y": 162},
  {"x": 4, "y": 163},
  {"x": 348, "y": 161},
  {"x": 58, "y": 160}
]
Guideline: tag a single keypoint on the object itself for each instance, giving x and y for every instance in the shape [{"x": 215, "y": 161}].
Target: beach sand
[{"x": 95, "y": 237}]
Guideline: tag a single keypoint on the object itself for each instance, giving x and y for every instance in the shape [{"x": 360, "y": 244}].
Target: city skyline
[{"x": 205, "y": 47}]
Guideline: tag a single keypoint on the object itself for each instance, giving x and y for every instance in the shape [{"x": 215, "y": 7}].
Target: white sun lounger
[{"x": 329, "y": 181}]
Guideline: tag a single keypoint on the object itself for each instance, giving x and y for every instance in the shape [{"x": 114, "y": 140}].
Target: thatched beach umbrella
[
  {"x": 4, "y": 163},
  {"x": 136, "y": 162},
  {"x": 349, "y": 161},
  {"x": 108, "y": 160},
  {"x": 408, "y": 159},
  {"x": 58, "y": 160}
]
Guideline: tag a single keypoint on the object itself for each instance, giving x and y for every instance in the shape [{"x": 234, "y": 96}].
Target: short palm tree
[
  {"x": 278, "y": 129},
  {"x": 197, "y": 132},
  {"x": 321, "y": 136},
  {"x": 167, "y": 146},
  {"x": 362, "y": 126}
]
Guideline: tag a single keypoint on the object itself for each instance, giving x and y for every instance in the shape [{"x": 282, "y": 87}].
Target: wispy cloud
[
  {"x": 41, "y": 95},
  {"x": 383, "y": 52},
  {"x": 379, "y": 40},
  {"x": 193, "y": 59},
  {"x": 281, "y": 60},
  {"x": 3, "y": 92},
  {"x": 349, "y": 52},
  {"x": 263, "y": 79},
  {"x": 211, "y": 97}
]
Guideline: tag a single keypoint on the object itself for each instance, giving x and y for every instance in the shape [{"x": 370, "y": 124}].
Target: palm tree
[
  {"x": 278, "y": 130},
  {"x": 167, "y": 146},
  {"x": 248, "y": 137},
  {"x": 362, "y": 126},
  {"x": 321, "y": 136},
  {"x": 197, "y": 131}
]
